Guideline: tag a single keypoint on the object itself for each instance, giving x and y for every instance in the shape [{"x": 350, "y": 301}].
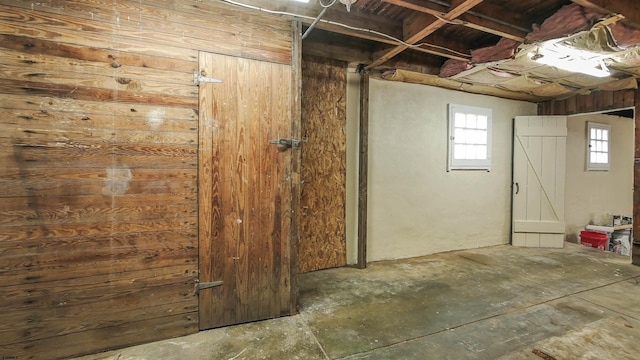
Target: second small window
[{"x": 598, "y": 140}]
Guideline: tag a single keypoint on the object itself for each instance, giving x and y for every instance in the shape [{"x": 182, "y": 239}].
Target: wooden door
[
  {"x": 538, "y": 181},
  {"x": 244, "y": 191}
]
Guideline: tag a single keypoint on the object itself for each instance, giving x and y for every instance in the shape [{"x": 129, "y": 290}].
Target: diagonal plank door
[
  {"x": 539, "y": 152},
  {"x": 244, "y": 191}
]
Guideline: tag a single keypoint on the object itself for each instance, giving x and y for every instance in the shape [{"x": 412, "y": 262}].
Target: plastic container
[{"x": 594, "y": 239}]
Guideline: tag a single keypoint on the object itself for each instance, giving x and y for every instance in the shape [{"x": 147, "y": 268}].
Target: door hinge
[
  {"x": 205, "y": 285},
  {"x": 198, "y": 78}
]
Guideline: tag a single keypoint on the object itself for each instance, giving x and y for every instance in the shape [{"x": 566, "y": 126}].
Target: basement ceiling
[{"x": 494, "y": 47}]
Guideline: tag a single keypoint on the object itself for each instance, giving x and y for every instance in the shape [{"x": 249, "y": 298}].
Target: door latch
[{"x": 285, "y": 142}]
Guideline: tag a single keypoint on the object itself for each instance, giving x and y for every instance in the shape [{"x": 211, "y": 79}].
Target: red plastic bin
[{"x": 594, "y": 239}]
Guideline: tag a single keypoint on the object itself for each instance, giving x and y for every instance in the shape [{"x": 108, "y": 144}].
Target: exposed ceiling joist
[
  {"x": 492, "y": 41},
  {"x": 458, "y": 8},
  {"x": 468, "y": 19},
  {"x": 629, "y": 9}
]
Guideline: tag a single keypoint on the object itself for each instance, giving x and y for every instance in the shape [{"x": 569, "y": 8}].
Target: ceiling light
[
  {"x": 571, "y": 59},
  {"x": 304, "y": 1}
]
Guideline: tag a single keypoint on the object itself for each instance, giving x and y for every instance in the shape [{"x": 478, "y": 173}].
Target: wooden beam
[
  {"x": 359, "y": 24},
  {"x": 629, "y": 9},
  {"x": 356, "y": 21},
  {"x": 635, "y": 251},
  {"x": 470, "y": 20},
  {"x": 436, "y": 24},
  {"x": 296, "y": 158},
  {"x": 363, "y": 169}
]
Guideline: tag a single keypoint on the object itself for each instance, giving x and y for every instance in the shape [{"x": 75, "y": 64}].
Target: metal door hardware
[
  {"x": 197, "y": 79},
  {"x": 285, "y": 142},
  {"x": 206, "y": 285}
]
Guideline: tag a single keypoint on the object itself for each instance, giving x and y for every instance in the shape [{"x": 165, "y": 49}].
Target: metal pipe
[{"x": 314, "y": 23}]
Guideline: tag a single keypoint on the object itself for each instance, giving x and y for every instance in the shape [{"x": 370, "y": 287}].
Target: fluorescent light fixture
[
  {"x": 304, "y": 1},
  {"x": 571, "y": 59}
]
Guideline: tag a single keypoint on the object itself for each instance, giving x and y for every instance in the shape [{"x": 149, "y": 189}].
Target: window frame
[
  {"x": 468, "y": 164},
  {"x": 594, "y": 166}
]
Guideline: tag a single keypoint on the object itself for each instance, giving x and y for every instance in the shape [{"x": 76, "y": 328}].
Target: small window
[
  {"x": 469, "y": 138},
  {"x": 598, "y": 138}
]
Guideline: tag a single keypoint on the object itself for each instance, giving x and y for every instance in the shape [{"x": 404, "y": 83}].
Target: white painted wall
[
  {"x": 591, "y": 196},
  {"x": 416, "y": 207}
]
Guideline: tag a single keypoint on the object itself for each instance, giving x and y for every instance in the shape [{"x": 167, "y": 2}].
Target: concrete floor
[{"x": 492, "y": 303}]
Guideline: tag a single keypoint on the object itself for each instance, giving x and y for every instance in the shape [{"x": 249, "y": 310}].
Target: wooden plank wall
[
  {"x": 98, "y": 166},
  {"x": 322, "y": 223},
  {"x": 596, "y": 101},
  {"x": 604, "y": 101}
]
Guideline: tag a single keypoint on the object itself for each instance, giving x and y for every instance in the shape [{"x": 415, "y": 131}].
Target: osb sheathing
[{"x": 322, "y": 223}]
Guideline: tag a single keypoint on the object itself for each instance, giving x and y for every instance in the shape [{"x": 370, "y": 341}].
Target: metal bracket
[
  {"x": 206, "y": 285},
  {"x": 286, "y": 142},
  {"x": 197, "y": 79}
]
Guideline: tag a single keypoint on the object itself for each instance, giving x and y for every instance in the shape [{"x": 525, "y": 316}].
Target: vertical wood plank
[
  {"x": 618, "y": 99},
  {"x": 205, "y": 195},
  {"x": 296, "y": 156},
  {"x": 241, "y": 178},
  {"x": 548, "y": 177},
  {"x": 560, "y": 107},
  {"x": 252, "y": 220},
  {"x": 276, "y": 202},
  {"x": 264, "y": 203},
  {"x": 628, "y": 98},
  {"x": 288, "y": 179},
  {"x": 228, "y": 105},
  {"x": 608, "y": 100},
  {"x": 571, "y": 106},
  {"x": 581, "y": 104},
  {"x": 534, "y": 154},
  {"x": 214, "y": 67},
  {"x": 520, "y": 170},
  {"x": 561, "y": 169}
]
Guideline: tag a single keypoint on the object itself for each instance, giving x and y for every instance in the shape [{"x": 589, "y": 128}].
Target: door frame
[{"x": 205, "y": 164}]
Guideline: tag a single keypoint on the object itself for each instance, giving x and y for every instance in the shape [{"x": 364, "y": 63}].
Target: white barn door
[{"x": 539, "y": 151}]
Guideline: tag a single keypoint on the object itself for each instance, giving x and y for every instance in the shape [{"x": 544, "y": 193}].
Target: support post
[
  {"x": 635, "y": 247},
  {"x": 296, "y": 158},
  {"x": 363, "y": 169}
]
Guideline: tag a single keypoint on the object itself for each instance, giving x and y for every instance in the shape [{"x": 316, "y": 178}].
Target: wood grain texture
[
  {"x": 593, "y": 102},
  {"x": 322, "y": 224},
  {"x": 363, "y": 170},
  {"x": 99, "y": 154},
  {"x": 244, "y": 231},
  {"x": 296, "y": 157}
]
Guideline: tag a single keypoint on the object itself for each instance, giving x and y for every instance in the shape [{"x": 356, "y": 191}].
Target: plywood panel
[
  {"x": 99, "y": 164},
  {"x": 322, "y": 223}
]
